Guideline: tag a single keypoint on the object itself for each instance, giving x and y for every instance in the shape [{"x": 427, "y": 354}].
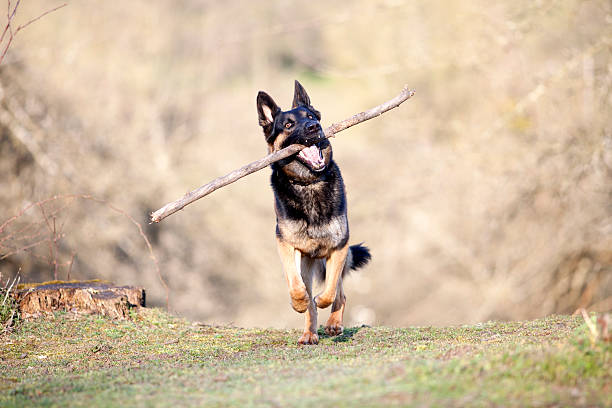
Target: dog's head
[{"x": 299, "y": 125}]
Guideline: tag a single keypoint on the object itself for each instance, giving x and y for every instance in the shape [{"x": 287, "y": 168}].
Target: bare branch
[
  {"x": 39, "y": 17},
  {"x": 219, "y": 182},
  {"x": 9, "y": 25}
]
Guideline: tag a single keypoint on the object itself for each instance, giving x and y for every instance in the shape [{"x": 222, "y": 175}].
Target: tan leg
[
  {"x": 292, "y": 259},
  {"x": 334, "y": 327},
  {"x": 333, "y": 271},
  {"x": 310, "y": 335}
]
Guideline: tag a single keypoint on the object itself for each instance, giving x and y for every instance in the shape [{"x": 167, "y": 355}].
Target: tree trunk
[{"x": 87, "y": 297}]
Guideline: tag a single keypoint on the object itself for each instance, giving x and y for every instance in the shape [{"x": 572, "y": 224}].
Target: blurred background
[{"x": 486, "y": 196}]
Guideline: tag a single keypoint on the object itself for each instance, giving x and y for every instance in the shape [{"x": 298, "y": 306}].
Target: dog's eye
[{"x": 288, "y": 125}]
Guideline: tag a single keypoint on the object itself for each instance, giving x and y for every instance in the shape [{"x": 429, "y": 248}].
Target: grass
[
  {"x": 156, "y": 359},
  {"x": 9, "y": 312}
]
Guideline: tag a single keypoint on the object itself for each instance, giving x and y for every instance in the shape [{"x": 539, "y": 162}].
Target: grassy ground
[{"x": 159, "y": 360}]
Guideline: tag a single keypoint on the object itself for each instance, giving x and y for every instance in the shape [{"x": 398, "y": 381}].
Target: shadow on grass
[{"x": 346, "y": 335}]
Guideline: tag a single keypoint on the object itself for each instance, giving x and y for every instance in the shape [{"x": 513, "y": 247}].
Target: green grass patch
[{"x": 159, "y": 360}]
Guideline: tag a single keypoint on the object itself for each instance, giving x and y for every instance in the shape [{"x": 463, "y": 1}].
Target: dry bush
[
  {"x": 38, "y": 238},
  {"x": 485, "y": 196}
]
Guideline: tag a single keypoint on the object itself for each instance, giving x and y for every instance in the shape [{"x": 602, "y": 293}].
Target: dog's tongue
[{"x": 313, "y": 156}]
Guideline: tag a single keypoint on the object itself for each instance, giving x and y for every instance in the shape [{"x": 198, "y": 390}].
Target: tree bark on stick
[{"x": 257, "y": 165}]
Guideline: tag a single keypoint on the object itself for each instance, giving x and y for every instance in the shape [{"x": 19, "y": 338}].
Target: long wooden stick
[{"x": 257, "y": 165}]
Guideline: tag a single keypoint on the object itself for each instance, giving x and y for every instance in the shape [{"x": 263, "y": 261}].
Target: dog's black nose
[{"x": 313, "y": 127}]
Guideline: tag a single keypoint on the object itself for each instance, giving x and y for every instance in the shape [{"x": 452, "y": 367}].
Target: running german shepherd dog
[{"x": 311, "y": 224}]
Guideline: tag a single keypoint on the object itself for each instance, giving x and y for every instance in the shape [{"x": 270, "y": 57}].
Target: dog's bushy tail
[{"x": 359, "y": 256}]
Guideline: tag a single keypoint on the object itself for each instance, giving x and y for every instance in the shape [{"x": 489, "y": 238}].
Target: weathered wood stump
[{"x": 85, "y": 297}]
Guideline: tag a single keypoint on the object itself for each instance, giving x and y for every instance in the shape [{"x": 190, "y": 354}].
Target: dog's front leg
[
  {"x": 291, "y": 259},
  {"x": 333, "y": 271},
  {"x": 310, "y": 335}
]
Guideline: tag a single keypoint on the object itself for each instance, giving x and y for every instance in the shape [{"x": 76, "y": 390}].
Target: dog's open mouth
[{"x": 313, "y": 157}]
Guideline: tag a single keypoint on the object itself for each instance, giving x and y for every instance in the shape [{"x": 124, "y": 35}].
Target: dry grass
[
  {"x": 158, "y": 360},
  {"x": 485, "y": 196}
]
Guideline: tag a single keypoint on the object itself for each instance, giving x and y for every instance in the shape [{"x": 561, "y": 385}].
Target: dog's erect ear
[
  {"x": 300, "y": 97},
  {"x": 267, "y": 109}
]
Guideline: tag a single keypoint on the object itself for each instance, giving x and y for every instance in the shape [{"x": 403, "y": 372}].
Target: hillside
[
  {"x": 484, "y": 197},
  {"x": 156, "y": 359}
]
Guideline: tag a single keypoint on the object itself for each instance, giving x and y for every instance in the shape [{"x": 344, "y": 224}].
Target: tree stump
[{"x": 85, "y": 297}]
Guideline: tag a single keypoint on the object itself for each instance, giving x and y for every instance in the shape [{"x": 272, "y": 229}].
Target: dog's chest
[
  {"x": 313, "y": 219},
  {"x": 315, "y": 240}
]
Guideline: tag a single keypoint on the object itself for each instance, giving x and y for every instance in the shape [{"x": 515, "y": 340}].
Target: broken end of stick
[
  {"x": 409, "y": 91},
  {"x": 157, "y": 216}
]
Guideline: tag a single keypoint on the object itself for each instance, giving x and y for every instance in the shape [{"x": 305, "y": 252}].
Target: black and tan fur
[{"x": 311, "y": 223}]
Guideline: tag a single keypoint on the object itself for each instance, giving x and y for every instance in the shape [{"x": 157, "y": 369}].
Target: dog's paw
[
  {"x": 333, "y": 329},
  {"x": 300, "y": 303},
  {"x": 322, "y": 302},
  {"x": 309, "y": 338},
  {"x": 333, "y": 326}
]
